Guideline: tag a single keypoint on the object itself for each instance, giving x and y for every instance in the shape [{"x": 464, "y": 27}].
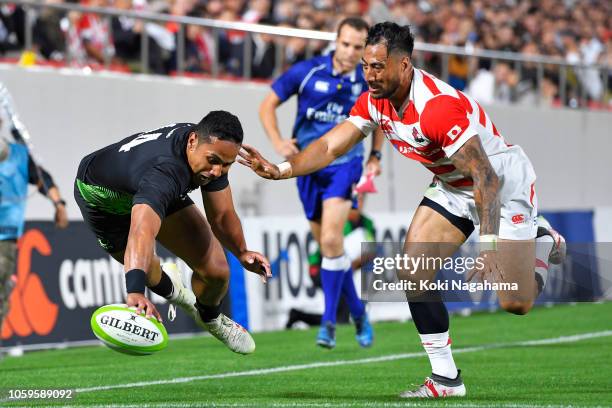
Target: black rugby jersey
[{"x": 146, "y": 168}]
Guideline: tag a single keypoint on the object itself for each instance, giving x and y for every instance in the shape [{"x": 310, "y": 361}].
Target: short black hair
[
  {"x": 220, "y": 124},
  {"x": 397, "y": 38},
  {"x": 357, "y": 23}
]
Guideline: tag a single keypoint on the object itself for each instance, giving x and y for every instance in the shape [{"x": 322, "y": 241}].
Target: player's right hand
[
  {"x": 61, "y": 216},
  {"x": 141, "y": 303},
  {"x": 286, "y": 148},
  {"x": 251, "y": 158}
]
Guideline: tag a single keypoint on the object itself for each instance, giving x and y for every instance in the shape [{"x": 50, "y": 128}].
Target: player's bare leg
[
  {"x": 517, "y": 261},
  {"x": 188, "y": 235},
  {"x": 432, "y": 235},
  {"x": 526, "y": 263}
]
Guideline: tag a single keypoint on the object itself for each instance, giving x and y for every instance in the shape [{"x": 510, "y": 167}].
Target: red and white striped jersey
[{"x": 434, "y": 122}]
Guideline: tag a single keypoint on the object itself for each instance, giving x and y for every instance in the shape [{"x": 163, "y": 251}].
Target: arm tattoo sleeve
[{"x": 472, "y": 161}]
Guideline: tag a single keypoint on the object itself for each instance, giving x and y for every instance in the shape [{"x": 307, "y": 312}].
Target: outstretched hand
[
  {"x": 256, "y": 263},
  {"x": 252, "y": 159}
]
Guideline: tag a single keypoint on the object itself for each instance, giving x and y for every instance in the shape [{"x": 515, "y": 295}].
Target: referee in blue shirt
[{"x": 327, "y": 88}]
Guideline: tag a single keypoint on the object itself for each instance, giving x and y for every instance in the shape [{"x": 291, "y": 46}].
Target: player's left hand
[
  {"x": 491, "y": 268},
  {"x": 257, "y": 263},
  {"x": 252, "y": 159}
]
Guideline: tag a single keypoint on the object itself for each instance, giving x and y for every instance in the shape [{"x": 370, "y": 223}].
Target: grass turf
[{"x": 571, "y": 373}]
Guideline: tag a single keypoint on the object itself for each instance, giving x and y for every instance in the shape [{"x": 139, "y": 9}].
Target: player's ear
[
  {"x": 192, "y": 141},
  {"x": 406, "y": 64}
]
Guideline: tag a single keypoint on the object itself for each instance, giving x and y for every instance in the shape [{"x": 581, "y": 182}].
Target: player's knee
[
  {"x": 517, "y": 307},
  {"x": 332, "y": 244},
  {"x": 214, "y": 271}
]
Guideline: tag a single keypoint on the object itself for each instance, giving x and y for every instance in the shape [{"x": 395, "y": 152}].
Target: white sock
[
  {"x": 438, "y": 348},
  {"x": 544, "y": 245}
]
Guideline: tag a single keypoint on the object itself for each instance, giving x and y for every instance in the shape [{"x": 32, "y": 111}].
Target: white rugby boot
[
  {"x": 559, "y": 249},
  {"x": 230, "y": 333},
  {"x": 438, "y": 387},
  {"x": 181, "y": 295}
]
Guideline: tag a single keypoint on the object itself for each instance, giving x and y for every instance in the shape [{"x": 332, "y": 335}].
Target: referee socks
[{"x": 332, "y": 277}]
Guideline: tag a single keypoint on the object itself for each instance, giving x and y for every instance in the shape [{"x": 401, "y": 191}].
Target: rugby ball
[{"x": 122, "y": 329}]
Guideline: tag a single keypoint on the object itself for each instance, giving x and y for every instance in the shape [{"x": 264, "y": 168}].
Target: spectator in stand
[
  {"x": 49, "y": 40},
  {"x": 529, "y": 26},
  {"x": 127, "y": 33},
  {"x": 200, "y": 49},
  {"x": 264, "y": 54},
  {"x": 12, "y": 22},
  {"x": 256, "y": 11},
  {"x": 94, "y": 35}
]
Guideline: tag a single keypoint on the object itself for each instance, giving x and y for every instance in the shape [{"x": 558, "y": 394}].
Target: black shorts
[
  {"x": 112, "y": 230},
  {"x": 464, "y": 225}
]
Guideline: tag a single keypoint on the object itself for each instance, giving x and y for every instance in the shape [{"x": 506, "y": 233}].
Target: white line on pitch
[
  {"x": 453, "y": 403},
  {"x": 392, "y": 357}
]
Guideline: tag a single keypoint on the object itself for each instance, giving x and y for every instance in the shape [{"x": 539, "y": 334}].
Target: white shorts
[{"x": 519, "y": 203}]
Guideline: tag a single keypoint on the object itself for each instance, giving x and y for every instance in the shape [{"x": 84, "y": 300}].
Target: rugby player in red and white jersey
[{"x": 479, "y": 180}]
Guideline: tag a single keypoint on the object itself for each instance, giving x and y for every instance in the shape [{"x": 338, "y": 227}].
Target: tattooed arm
[{"x": 472, "y": 161}]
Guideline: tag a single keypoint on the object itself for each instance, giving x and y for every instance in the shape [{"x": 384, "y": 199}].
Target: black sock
[
  {"x": 208, "y": 313},
  {"x": 429, "y": 317},
  {"x": 164, "y": 288}
]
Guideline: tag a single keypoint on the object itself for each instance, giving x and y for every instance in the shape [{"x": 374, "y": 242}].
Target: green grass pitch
[{"x": 500, "y": 367}]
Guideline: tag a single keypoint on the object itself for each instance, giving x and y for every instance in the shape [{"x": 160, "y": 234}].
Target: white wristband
[
  {"x": 488, "y": 242},
  {"x": 285, "y": 169}
]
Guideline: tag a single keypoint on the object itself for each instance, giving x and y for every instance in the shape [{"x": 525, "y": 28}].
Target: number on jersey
[{"x": 147, "y": 137}]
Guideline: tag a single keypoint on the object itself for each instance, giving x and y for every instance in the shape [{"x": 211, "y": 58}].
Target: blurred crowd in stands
[{"x": 578, "y": 31}]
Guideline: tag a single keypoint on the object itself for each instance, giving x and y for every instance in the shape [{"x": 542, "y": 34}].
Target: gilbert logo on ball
[{"x": 123, "y": 330}]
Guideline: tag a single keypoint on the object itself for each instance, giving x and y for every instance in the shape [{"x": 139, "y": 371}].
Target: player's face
[
  {"x": 383, "y": 71},
  {"x": 349, "y": 48},
  {"x": 209, "y": 161}
]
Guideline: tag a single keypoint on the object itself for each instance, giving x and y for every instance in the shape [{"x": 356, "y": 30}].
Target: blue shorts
[{"x": 333, "y": 181}]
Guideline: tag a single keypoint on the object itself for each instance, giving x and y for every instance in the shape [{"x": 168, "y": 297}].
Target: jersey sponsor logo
[
  {"x": 454, "y": 132},
  {"x": 417, "y": 137},
  {"x": 30, "y": 309},
  {"x": 321, "y": 86},
  {"x": 518, "y": 219},
  {"x": 403, "y": 147},
  {"x": 385, "y": 127},
  {"x": 331, "y": 114}
]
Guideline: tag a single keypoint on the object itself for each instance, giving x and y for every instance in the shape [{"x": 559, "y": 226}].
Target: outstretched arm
[
  {"x": 317, "y": 155},
  {"x": 139, "y": 253},
  {"x": 227, "y": 227}
]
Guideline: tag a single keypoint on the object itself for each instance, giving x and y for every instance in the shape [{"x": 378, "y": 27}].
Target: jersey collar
[{"x": 410, "y": 98}]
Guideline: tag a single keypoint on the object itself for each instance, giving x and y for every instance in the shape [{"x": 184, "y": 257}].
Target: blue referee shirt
[{"x": 325, "y": 99}]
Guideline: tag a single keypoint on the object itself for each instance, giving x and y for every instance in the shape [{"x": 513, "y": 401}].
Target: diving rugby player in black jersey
[{"x": 135, "y": 191}]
